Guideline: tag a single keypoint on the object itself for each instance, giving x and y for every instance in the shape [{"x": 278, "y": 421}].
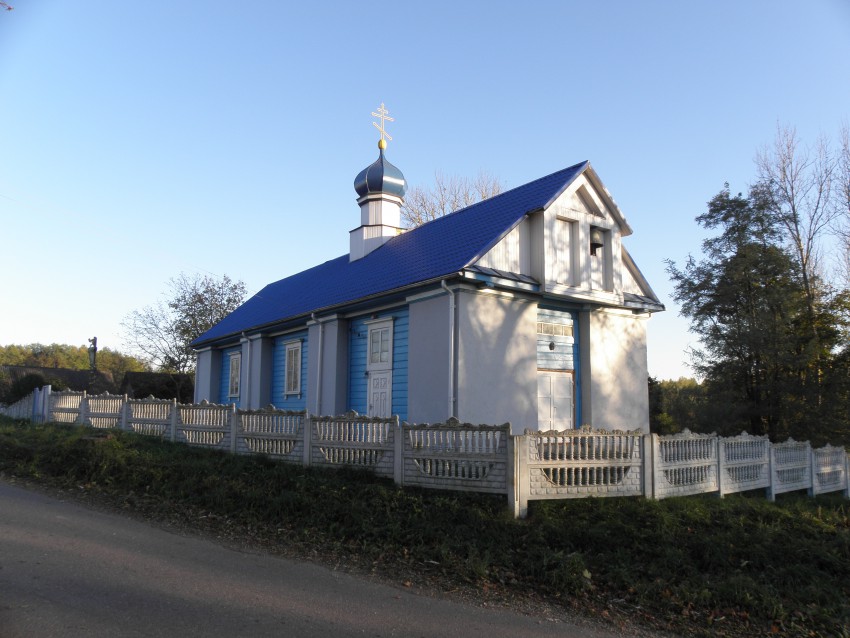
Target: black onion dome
[{"x": 380, "y": 177}]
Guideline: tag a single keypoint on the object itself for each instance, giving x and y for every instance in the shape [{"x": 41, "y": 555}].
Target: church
[{"x": 523, "y": 308}]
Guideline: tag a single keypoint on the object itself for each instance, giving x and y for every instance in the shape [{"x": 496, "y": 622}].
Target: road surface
[{"x": 67, "y": 570}]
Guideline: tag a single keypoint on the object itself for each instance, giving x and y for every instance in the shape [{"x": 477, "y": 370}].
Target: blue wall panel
[
  {"x": 278, "y": 398},
  {"x": 565, "y": 356},
  {"x": 225, "y": 377},
  {"x": 358, "y": 382}
]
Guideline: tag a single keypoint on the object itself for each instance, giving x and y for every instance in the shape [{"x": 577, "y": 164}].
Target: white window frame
[
  {"x": 291, "y": 348},
  {"x": 234, "y": 375},
  {"x": 384, "y": 323}
]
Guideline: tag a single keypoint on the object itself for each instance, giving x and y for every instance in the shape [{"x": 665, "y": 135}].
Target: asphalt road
[{"x": 66, "y": 570}]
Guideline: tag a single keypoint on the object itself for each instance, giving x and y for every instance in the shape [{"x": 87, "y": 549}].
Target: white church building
[{"x": 525, "y": 307}]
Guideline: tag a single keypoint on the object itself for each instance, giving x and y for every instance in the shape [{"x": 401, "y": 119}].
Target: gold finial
[{"x": 382, "y": 115}]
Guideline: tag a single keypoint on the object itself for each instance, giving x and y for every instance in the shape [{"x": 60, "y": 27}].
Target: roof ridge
[{"x": 503, "y": 193}]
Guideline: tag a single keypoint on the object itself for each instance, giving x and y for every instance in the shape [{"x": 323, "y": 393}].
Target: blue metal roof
[{"x": 434, "y": 250}]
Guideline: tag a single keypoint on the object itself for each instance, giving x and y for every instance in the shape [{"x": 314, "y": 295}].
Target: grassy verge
[{"x": 703, "y": 566}]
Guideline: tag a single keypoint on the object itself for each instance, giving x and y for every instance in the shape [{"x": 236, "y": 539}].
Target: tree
[
  {"x": 194, "y": 304},
  {"x": 842, "y": 225},
  {"x": 799, "y": 182},
  {"x": 744, "y": 303},
  {"x": 446, "y": 196},
  {"x": 676, "y": 405},
  {"x": 768, "y": 351},
  {"x": 118, "y": 364}
]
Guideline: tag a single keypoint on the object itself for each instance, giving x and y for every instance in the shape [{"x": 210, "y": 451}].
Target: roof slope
[{"x": 439, "y": 248}]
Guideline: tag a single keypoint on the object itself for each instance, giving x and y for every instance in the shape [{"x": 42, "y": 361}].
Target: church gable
[{"x": 573, "y": 246}]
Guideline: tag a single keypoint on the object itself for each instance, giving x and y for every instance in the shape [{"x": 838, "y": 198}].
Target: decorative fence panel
[
  {"x": 456, "y": 456},
  {"x": 206, "y": 425},
  {"x": 791, "y": 467},
  {"x": 279, "y": 435},
  {"x": 65, "y": 407},
  {"x": 829, "y": 470},
  {"x": 684, "y": 464},
  {"x": 153, "y": 417},
  {"x": 465, "y": 457},
  {"x": 103, "y": 410},
  {"x": 34, "y": 407},
  {"x": 577, "y": 464},
  {"x": 744, "y": 463},
  {"x": 354, "y": 441}
]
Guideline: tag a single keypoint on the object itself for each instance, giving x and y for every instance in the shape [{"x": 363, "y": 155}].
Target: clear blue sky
[{"x": 139, "y": 140}]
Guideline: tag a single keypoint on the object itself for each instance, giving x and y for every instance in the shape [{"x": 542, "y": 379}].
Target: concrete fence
[{"x": 465, "y": 457}]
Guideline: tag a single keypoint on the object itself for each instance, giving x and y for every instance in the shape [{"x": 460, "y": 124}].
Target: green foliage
[
  {"x": 738, "y": 566},
  {"x": 13, "y": 391},
  {"x": 765, "y": 368},
  {"x": 679, "y": 405},
  {"x": 57, "y": 355},
  {"x": 24, "y": 386}
]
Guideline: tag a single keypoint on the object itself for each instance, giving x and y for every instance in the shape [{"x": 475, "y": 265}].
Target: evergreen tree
[{"x": 746, "y": 304}]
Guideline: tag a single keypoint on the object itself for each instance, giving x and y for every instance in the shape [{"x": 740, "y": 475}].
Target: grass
[{"x": 740, "y": 566}]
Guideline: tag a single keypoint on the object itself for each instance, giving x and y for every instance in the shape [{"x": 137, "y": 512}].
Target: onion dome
[{"x": 380, "y": 177}]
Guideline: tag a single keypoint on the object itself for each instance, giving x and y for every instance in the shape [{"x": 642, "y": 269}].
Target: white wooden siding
[{"x": 512, "y": 253}]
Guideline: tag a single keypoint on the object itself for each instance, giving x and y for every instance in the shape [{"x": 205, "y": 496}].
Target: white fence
[{"x": 475, "y": 458}]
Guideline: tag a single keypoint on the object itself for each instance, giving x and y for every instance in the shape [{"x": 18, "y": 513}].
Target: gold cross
[{"x": 382, "y": 115}]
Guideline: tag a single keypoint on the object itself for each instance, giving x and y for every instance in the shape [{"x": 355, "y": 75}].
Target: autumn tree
[
  {"x": 56, "y": 355},
  {"x": 764, "y": 343},
  {"x": 743, "y": 302},
  {"x": 842, "y": 204},
  {"x": 193, "y": 304},
  {"x": 447, "y": 195}
]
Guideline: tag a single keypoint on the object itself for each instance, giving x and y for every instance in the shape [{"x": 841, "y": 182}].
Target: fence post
[
  {"x": 657, "y": 466},
  {"x": 235, "y": 423},
  {"x": 511, "y": 473},
  {"x": 125, "y": 408},
  {"x": 84, "y": 409},
  {"x": 307, "y": 437},
  {"x": 771, "y": 469},
  {"x": 721, "y": 465},
  {"x": 846, "y": 474},
  {"x": 398, "y": 451},
  {"x": 520, "y": 487},
  {"x": 812, "y": 470},
  {"x": 45, "y": 403},
  {"x": 173, "y": 425},
  {"x": 648, "y": 458}
]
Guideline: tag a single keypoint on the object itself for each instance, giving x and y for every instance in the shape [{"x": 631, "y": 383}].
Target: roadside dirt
[{"x": 424, "y": 579}]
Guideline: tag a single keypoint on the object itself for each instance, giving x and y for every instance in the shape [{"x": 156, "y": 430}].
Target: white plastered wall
[
  {"x": 618, "y": 391},
  {"x": 428, "y": 360},
  {"x": 496, "y": 359}
]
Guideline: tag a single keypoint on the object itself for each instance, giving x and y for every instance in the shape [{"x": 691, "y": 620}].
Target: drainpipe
[
  {"x": 452, "y": 399},
  {"x": 319, "y": 370}
]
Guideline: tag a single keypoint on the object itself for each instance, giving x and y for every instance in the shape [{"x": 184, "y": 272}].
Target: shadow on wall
[
  {"x": 619, "y": 391},
  {"x": 497, "y": 361}
]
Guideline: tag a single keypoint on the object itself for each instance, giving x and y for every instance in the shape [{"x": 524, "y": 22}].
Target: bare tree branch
[
  {"x": 842, "y": 219},
  {"x": 448, "y": 194},
  {"x": 801, "y": 183},
  {"x": 162, "y": 332}
]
